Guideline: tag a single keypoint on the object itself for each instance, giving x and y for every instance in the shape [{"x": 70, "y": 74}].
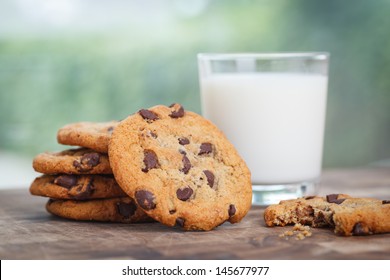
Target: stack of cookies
[
  {"x": 79, "y": 182},
  {"x": 169, "y": 164}
]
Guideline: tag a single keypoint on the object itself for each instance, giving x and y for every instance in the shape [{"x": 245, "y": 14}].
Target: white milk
[{"x": 276, "y": 121}]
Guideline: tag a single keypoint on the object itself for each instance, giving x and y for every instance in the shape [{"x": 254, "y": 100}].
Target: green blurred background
[{"x": 67, "y": 61}]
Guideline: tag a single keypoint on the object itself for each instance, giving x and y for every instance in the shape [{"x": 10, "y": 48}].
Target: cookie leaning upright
[{"x": 180, "y": 168}]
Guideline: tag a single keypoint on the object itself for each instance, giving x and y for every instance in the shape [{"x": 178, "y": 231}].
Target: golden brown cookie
[
  {"x": 347, "y": 215},
  {"x": 74, "y": 161},
  {"x": 122, "y": 210},
  {"x": 180, "y": 168},
  {"x": 76, "y": 187},
  {"x": 87, "y": 134}
]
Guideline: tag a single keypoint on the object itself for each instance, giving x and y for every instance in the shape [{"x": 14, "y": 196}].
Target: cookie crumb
[
  {"x": 300, "y": 227},
  {"x": 299, "y": 231},
  {"x": 299, "y": 236}
]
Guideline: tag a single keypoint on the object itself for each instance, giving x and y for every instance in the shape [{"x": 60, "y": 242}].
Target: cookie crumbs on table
[{"x": 300, "y": 232}]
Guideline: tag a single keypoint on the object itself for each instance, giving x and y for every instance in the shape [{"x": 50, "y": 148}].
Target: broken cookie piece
[{"x": 347, "y": 215}]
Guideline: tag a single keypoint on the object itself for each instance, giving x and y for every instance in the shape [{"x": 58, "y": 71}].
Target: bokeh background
[{"x": 90, "y": 60}]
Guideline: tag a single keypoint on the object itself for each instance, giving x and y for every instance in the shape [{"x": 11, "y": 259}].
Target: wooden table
[{"x": 27, "y": 231}]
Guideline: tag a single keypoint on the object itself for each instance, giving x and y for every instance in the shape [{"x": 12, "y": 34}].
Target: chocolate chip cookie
[
  {"x": 74, "y": 161},
  {"x": 180, "y": 168},
  {"x": 122, "y": 210},
  {"x": 76, "y": 187},
  {"x": 87, "y": 134},
  {"x": 347, "y": 215}
]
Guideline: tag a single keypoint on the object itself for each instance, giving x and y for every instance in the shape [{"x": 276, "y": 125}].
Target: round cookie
[
  {"x": 122, "y": 210},
  {"x": 87, "y": 134},
  {"x": 77, "y": 187},
  {"x": 180, "y": 168},
  {"x": 74, "y": 161}
]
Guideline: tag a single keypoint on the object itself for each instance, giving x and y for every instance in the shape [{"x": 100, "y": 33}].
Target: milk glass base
[{"x": 272, "y": 194}]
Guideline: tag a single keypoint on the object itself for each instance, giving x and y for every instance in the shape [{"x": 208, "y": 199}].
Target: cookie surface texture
[
  {"x": 73, "y": 161},
  {"x": 87, "y": 134},
  {"x": 345, "y": 214},
  {"x": 180, "y": 168},
  {"x": 76, "y": 187},
  {"x": 122, "y": 210}
]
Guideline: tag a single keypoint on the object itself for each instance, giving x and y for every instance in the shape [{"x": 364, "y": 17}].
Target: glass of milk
[{"x": 271, "y": 106}]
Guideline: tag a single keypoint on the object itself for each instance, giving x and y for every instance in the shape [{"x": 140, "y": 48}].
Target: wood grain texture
[{"x": 27, "y": 231}]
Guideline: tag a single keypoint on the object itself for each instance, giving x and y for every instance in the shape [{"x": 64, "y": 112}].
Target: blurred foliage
[{"x": 47, "y": 81}]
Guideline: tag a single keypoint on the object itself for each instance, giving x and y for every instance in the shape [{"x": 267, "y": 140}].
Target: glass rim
[{"x": 271, "y": 55}]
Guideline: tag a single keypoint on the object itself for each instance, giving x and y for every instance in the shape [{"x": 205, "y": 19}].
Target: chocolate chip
[
  {"x": 126, "y": 209},
  {"x": 150, "y": 160},
  {"x": 182, "y": 152},
  {"x": 385, "y": 201},
  {"x": 79, "y": 167},
  {"x": 177, "y": 113},
  {"x": 180, "y": 222},
  {"x": 91, "y": 159},
  {"x": 338, "y": 201},
  {"x": 87, "y": 162},
  {"x": 148, "y": 115},
  {"x": 319, "y": 219},
  {"x": 66, "y": 181},
  {"x": 210, "y": 177},
  {"x": 205, "y": 148},
  {"x": 186, "y": 165},
  {"x": 330, "y": 219},
  {"x": 359, "y": 229},
  {"x": 331, "y": 197},
  {"x": 184, "y": 141},
  {"x": 304, "y": 213},
  {"x": 184, "y": 194},
  {"x": 110, "y": 129},
  {"x": 308, "y": 211},
  {"x": 232, "y": 210},
  {"x": 145, "y": 199},
  {"x": 309, "y": 197},
  {"x": 172, "y": 211},
  {"x": 82, "y": 192},
  {"x": 154, "y": 135}
]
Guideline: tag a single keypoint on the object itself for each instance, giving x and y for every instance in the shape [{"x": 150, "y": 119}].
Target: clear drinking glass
[{"x": 271, "y": 106}]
